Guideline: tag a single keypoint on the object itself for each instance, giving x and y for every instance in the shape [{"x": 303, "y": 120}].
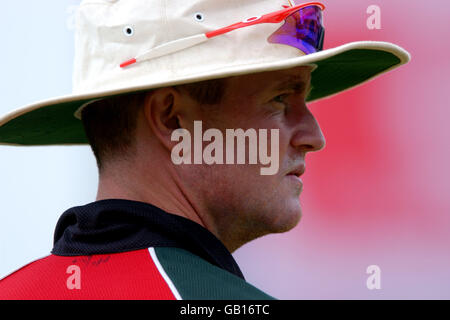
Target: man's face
[{"x": 241, "y": 201}]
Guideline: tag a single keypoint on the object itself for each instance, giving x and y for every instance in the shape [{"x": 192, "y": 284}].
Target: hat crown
[{"x": 109, "y": 32}]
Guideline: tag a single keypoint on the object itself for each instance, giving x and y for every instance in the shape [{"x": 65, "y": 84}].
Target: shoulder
[
  {"x": 153, "y": 273},
  {"x": 125, "y": 275}
]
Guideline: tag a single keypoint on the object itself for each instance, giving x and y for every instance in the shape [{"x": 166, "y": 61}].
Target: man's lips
[
  {"x": 295, "y": 174},
  {"x": 297, "y": 171}
]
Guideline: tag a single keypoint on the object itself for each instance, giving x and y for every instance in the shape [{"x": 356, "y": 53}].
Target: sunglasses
[{"x": 302, "y": 29}]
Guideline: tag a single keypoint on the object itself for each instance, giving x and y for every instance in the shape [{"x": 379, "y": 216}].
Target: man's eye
[{"x": 281, "y": 99}]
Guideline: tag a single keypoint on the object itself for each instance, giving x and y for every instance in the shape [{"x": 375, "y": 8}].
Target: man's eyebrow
[{"x": 293, "y": 83}]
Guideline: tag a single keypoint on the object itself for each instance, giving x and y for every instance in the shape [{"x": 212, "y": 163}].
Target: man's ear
[{"x": 162, "y": 111}]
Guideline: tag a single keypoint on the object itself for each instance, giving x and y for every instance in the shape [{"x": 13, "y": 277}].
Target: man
[{"x": 151, "y": 77}]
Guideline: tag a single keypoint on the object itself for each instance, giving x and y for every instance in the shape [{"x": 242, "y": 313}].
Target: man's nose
[{"x": 308, "y": 136}]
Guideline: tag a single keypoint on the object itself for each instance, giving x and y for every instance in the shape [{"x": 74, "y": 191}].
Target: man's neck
[{"x": 160, "y": 189}]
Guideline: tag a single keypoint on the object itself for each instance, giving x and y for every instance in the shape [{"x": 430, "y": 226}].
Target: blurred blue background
[{"x": 37, "y": 184}]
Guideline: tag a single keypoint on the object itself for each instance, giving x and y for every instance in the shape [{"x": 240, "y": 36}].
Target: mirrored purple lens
[{"x": 303, "y": 30}]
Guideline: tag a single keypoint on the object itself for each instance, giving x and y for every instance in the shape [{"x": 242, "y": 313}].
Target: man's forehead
[
  {"x": 296, "y": 78},
  {"x": 298, "y": 74},
  {"x": 297, "y": 82}
]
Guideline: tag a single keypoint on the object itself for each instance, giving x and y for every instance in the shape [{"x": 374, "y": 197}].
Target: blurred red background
[{"x": 379, "y": 192}]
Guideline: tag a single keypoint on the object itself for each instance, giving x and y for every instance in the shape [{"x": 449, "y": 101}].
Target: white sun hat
[{"x": 125, "y": 46}]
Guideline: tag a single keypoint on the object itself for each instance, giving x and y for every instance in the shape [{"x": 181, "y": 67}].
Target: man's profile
[{"x": 164, "y": 230}]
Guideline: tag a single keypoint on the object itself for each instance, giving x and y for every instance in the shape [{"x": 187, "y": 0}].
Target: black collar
[{"x": 115, "y": 225}]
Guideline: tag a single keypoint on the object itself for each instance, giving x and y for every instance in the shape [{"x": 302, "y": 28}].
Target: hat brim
[{"x": 53, "y": 121}]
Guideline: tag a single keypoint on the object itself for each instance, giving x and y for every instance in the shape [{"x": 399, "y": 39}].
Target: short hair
[{"x": 110, "y": 123}]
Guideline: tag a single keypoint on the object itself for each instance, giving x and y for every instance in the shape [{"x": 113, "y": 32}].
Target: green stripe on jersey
[{"x": 197, "y": 279}]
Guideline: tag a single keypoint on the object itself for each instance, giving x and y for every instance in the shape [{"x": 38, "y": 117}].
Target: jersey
[{"x": 123, "y": 249}]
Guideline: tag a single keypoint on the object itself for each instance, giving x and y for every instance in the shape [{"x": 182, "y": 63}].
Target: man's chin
[{"x": 288, "y": 220}]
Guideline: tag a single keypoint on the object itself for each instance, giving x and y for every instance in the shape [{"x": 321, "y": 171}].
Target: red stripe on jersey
[{"x": 117, "y": 276}]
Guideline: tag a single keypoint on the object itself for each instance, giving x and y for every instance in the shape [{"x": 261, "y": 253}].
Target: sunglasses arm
[
  {"x": 167, "y": 48},
  {"x": 273, "y": 17}
]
